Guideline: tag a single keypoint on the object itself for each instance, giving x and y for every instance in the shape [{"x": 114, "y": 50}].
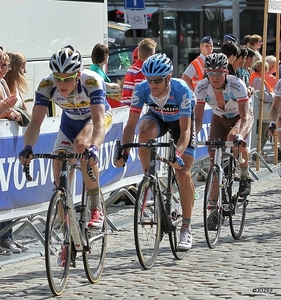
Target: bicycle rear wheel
[
  {"x": 147, "y": 228},
  {"x": 57, "y": 244},
  {"x": 176, "y": 214},
  {"x": 94, "y": 259},
  {"x": 212, "y": 209},
  {"x": 237, "y": 205}
]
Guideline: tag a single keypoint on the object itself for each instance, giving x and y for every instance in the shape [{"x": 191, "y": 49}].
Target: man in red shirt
[{"x": 134, "y": 75}]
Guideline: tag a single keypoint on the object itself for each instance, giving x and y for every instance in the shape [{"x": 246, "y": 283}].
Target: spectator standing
[
  {"x": 245, "y": 71},
  {"x": 6, "y": 239},
  {"x": 255, "y": 43},
  {"x": 134, "y": 75},
  {"x": 229, "y": 37},
  {"x": 195, "y": 70},
  {"x": 16, "y": 82},
  {"x": 270, "y": 74},
  {"x": 100, "y": 56},
  {"x": 232, "y": 51}
]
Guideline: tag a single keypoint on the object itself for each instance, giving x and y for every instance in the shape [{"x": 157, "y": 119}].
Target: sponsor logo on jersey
[
  {"x": 45, "y": 84},
  {"x": 66, "y": 143},
  {"x": 91, "y": 82}
]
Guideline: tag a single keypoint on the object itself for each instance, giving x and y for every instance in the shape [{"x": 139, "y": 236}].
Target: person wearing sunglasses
[
  {"x": 170, "y": 103},
  {"x": 232, "y": 116},
  {"x": 86, "y": 116}
]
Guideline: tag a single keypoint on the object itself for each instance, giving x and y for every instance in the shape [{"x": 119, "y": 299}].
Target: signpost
[{"x": 135, "y": 14}]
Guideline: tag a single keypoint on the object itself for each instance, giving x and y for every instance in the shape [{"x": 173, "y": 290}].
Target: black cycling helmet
[
  {"x": 66, "y": 60},
  {"x": 215, "y": 61},
  {"x": 157, "y": 65}
]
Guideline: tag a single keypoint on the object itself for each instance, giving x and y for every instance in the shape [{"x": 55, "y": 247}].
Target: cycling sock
[
  {"x": 244, "y": 171},
  {"x": 186, "y": 226},
  {"x": 94, "y": 195}
]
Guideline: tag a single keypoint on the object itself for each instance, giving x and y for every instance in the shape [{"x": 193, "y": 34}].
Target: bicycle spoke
[
  {"x": 146, "y": 225},
  {"x": 212, "y": 209},
  {"x": 94, "y": 258},
  {"x": 237, "y": 206},
  {"x": 176, "y": 214},
  {"x": 57, "y": 245}
]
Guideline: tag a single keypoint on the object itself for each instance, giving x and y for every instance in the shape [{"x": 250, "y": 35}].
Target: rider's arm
[
  {"x": 185, "y": 130},
  {"x": 199, "y": 113},
  {"x": 246, "y": 121},
  {"x": 98, "y": 119},
  {"x": 275, "y": 108},
  {"x": 33, "y": 129},
  {"x": 129, "y": 130}
]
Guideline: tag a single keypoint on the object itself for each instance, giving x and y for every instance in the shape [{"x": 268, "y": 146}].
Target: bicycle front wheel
[
  {"x": 212, "y": 209},
  {"x": 57, "y": 244},
  {"x": 147, "y": 228},
  {"x": 237, "y": 205},
  {"x": 176, "y": 214},
  {"x": 94, "y": 258}
]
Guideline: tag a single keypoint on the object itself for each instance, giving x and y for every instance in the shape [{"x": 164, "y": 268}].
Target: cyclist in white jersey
[
  {"x": 171, "y": 104},
  {"x": 85, "y": 117},
  {"x": 232, "y": 115}
]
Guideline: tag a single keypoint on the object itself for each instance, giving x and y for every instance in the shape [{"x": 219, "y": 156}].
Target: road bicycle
[
  {"x": 157, "y": 208},
  {"x": 66, "y": 232},
  {"x": 221, "y": 200}
]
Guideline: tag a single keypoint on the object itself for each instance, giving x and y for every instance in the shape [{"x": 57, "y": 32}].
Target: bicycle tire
[
  {"x": 237, "y": 205},
  {"x": 57, "y": 244},
  {"x": 176, "y": 214},
  {"x": 212, "y": 213},
  {"x": 147, "y": 224},
  {"x": 94, "y": 259}
]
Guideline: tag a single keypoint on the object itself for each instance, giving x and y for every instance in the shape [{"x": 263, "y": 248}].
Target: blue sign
[{"x": 134, "y": 4}]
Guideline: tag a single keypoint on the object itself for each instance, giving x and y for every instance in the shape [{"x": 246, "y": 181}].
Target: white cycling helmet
[{"x": 66, "y": 60}]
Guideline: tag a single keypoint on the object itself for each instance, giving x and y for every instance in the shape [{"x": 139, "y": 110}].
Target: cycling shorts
[
  {"x": 69, "y": 129},
  {"x": 174, "y": 129}
]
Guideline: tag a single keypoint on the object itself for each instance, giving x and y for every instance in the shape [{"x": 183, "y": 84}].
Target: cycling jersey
[
  {"x": 179, "y": 101},
  {"x": 234, "y": 91},
  {"x": 76, "y": 106}
]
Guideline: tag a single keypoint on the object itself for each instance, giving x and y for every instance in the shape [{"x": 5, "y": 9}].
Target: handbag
[{"x": 25, "y": 117}]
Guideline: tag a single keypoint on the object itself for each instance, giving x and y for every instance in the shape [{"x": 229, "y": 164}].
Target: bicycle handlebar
[
  {"x": 149, "y": 144},
  {"x": 219, "y": 143},
  {"x": 62, "y": 155}
]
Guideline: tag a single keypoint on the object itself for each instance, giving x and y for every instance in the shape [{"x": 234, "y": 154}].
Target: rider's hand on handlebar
[
  {"x": 94, "y": 150},
  {"x": 239, "y": 141},
  {"x": 271, "y": 128},
  {"x": 25, "y": 155},
  {"x": 121, "y": 162},
  {"x": 178, "y": 162}
]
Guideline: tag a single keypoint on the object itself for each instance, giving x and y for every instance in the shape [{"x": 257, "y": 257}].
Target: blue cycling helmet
[{"x": 157, "y": 65}]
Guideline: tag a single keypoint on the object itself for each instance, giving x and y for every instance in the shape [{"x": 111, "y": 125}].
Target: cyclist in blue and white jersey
[
  {"x": 85, "y": 117},
  {"x": 170, "y": 103},
  {"x": 232, "y": 116}
]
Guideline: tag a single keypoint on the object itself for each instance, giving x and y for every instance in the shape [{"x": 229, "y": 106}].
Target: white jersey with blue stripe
[
  {"x": 90, "y": 91},
  {"x": 179, "y": 101}
]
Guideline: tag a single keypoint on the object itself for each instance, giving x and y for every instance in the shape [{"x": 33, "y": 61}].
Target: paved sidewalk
[{"x": 240, "y": 269}]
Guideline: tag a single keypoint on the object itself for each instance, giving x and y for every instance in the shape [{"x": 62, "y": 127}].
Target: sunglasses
[
  {"x": 156, "y": 81},
  {"x": 64, "y": 79},
  {"x": 5, "y": 66},
  {"x": 215, "y": 73}
]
